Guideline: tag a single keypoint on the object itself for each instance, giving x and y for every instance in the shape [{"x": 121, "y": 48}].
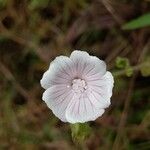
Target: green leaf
[{"x": 139, "y": 22}]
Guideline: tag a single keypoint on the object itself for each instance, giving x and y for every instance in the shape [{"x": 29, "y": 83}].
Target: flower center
[{"x": 79, "y": 86}]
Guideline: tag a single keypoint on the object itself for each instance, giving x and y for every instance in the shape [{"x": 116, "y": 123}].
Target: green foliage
[
  {"x": 145, "y": 69},
  {"x": 28, "y": 138},
  {"x": 38, "y": 4},
  {"x": 123, "y": 63},
  {"x": 129, "y": 71},
  {"x": 139, "y": 22},
  {"x": 120, "y": 84},
  {"x": 3, "y": 3},
  {"x": 80, "y": 132},
  {"x": 49, "y": 132}
]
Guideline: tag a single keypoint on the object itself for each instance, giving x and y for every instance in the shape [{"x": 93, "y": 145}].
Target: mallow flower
[{"x": 77, "y": 88}]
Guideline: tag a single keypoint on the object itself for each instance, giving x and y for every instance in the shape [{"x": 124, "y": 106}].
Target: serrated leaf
[{"x": 139, "y": 22}]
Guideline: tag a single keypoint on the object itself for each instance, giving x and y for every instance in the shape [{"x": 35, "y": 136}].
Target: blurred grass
[{"x": 34, "y": 32}]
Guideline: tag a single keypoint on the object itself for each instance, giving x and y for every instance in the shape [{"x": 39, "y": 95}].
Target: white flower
[{"x": 77, "y": 89}]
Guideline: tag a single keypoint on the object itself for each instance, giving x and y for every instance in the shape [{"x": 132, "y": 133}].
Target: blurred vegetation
[{"x": 34, "y": 32}]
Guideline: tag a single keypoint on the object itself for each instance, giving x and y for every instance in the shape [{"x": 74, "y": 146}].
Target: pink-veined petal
[
  {"x": 99, "y": 68},
  {"x": 57, "y": 99},
  {"x": 52, "y": 78},
  {"x": 65, "y": 65},
  {"x": 59, "y": 72},
  {"x": 80, "y": 60},
  {"x": 82, "y": 110},
  {"x": 102, "y": 89}
]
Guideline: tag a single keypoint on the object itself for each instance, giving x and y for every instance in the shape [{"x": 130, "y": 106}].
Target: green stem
[{"x": 135, "y": 68}]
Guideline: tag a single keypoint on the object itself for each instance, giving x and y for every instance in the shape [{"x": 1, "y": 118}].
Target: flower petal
[
  {"x": 86, "y": 65},
  {"x": 59, "y": 72},
  {"x": 80, "y": 60},
  {"x": 110, "y": 82},
  {"x": 57, "y": 99},
  {"x": 82, "y": 110},
  {"x": 101, "y": 90},
  {"x": 45, "y": 81},
  {"x": 99, "y": 68},
  {"x": 64, "y": 64}
]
